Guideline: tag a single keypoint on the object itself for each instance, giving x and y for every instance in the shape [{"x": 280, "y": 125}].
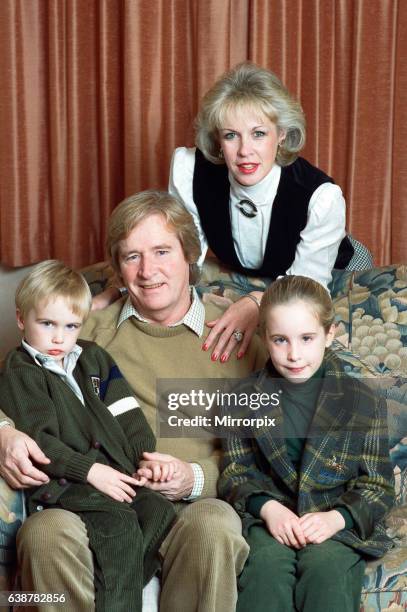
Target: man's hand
[
  {"x": 113, "y": 483},
  {"x": 17, "y": 452},
  {"x": 319, "y": 526},
  {"x": 283, "y": 524},
  {"x": 167, "y": 474}
]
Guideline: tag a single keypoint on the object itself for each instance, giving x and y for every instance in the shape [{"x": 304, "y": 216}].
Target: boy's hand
[
  {"x": 178, "y": 476},
  {"x": 320, "y": 526},
  {"x": 283, "y": 524},
  {"x": 158, "y": 470},
  {"x": 113, "y": 483}
]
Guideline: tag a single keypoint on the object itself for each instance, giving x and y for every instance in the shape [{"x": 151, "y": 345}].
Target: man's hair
[
  {"x": 292, "y": 288},
  {"x": 134, "y": 209},
  {"x": 51, "y": 279},
  {"x": 248, "y": 86}
]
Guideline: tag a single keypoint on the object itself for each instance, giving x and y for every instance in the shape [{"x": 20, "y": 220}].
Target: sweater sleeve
[
  {"x": 24, "y": 396},
  {"x": 210, "y": 468},
  {"x": 121, "y": 402},
  {"x": 241, "y": 478}
]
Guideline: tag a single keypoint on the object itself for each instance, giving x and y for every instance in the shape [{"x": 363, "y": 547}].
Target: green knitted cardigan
[{"x": 124, "y": 538}]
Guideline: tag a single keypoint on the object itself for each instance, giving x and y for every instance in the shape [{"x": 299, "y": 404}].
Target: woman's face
[{"x": 249, "y": 142}]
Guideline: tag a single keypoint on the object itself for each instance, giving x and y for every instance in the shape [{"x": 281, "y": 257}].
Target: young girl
[{"x": 312, "y": 491}]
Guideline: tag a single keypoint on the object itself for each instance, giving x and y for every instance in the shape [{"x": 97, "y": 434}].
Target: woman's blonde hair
[
  {"x": 292, "y": 288},
  {"x": 51, "y": 279},
  {"x": 131, "y": 211},
  {"x": 248, "y": 86}
]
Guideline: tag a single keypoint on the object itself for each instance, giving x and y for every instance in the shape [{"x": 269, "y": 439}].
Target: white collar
[
  {"x": 45, "y": 360},
  {"x": 194, "y": 318},
  {"x": 262, "y": 193},
  {"x": 64, "y": 371}
]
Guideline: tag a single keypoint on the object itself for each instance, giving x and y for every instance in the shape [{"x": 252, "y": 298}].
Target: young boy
[{"x": 72, "y": 399}]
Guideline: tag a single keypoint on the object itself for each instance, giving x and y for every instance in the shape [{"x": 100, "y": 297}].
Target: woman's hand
[
  {"x": 104, "y": 299},
  {"x": 113, "y": 483},
  {"x": 283, "y": 524},
  {"x": 242, "y": 315},
  {"x": 320, "y": 526}
]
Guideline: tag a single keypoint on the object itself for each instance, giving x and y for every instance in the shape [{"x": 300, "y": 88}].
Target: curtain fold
[{"x": 96, "y": 94}]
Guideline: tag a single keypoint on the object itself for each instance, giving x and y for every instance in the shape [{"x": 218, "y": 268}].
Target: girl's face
[
  {"x": 296, "y": 340},
  {"x": 249, "y": 142}
]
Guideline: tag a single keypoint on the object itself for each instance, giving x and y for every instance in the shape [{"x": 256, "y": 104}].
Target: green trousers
[{"x": 317, "y": 578}]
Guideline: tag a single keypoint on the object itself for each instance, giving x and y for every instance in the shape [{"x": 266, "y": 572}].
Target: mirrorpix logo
[{"x": 217, "y": 410}]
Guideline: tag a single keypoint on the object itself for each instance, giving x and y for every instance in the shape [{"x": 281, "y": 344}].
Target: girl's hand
[
  {"x": 113, "y": 483},
  {"x": 283, "y": 524},
  {"x": 320, "y": 526},
  {"x": 243, "y": 315}
]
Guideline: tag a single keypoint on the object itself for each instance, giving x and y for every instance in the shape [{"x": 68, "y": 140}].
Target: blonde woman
[{"x": 261, "y": 209}]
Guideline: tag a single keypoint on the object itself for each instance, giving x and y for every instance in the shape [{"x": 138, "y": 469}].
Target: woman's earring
[{"x": 220, "y": 154}]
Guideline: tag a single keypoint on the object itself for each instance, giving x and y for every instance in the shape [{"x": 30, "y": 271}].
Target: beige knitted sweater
[{"x": 145, "y": 353}]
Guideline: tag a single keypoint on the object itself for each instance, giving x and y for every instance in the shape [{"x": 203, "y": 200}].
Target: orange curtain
[{"x": 97, "y": 93}]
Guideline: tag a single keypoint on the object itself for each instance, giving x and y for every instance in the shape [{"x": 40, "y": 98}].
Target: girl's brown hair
[{"x": 291, "y": 288}]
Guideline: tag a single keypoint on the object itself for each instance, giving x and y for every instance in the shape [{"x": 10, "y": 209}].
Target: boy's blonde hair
[
  {"x": 291, "y": 288},
  {"x": 51, "y": 279}
]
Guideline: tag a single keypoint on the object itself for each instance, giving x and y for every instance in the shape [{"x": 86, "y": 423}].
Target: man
[{"x": 156, "y": 332}]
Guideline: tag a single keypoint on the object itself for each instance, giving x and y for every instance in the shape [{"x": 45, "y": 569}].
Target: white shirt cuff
[
  {"x": 199, "y": 481},
  {"x": 5, "y": 423}
]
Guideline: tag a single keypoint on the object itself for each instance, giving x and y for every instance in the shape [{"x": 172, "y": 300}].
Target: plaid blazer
[{"x": 345, "y": 462}]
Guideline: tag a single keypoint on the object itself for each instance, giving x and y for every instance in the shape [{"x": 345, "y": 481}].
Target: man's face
[
  {"x": 155, "y": 271},
  {"x": 52, "y": 327}
]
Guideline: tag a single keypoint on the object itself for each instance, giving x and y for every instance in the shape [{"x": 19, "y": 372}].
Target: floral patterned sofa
[{"x": 371, "y": 308}]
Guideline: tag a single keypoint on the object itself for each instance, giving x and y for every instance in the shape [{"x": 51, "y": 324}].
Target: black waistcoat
[{"x": 299, "y": 180}]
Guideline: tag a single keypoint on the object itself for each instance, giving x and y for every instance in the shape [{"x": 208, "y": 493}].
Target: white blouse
[{"x": 319, "y": 241}]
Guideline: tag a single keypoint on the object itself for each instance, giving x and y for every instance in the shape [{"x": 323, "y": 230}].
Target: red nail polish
[
  {"x": 224, "y": 358},
  {"x": 214, "y": 356},
  {"x": 204, "y": 347},
  {"x": 240, "y": 355}
]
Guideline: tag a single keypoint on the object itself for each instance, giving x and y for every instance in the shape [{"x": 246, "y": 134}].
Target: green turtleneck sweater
[{"x": 298, "y": 403}]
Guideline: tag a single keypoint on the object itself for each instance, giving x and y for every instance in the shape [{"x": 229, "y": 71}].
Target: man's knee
[
  {"x": 54, "y": 529},
  {"x": 213, "y": 519},
  {"x": 208, "y": 527}
]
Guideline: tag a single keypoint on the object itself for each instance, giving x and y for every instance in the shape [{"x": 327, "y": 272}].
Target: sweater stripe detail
[
  {"x": 113, "y": 373},
  {"x": 123, "y": 405}
]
